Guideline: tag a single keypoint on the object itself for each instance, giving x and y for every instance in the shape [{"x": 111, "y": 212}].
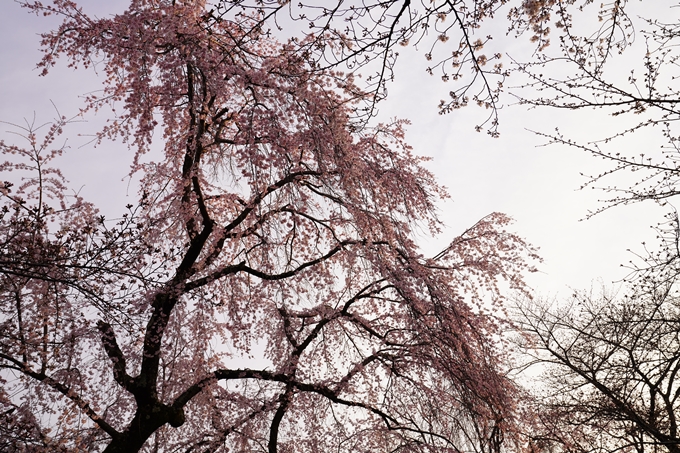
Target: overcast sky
[{"x": 535, "y": 185}]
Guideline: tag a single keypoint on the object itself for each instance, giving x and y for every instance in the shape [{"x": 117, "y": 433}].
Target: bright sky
[{"x": 535, "y": 185}]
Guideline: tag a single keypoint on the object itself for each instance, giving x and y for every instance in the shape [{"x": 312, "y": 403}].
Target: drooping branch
[{"x": 66, "y": 391}]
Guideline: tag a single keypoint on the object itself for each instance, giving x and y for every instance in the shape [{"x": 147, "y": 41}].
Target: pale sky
[{"x": 535, "y": 185}]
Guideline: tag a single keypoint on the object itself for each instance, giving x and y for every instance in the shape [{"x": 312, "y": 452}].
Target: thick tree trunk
[{"x": 147, "y": 420}]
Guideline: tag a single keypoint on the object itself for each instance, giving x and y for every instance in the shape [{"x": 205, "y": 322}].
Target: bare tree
[
  {"x": 621, "y": 59},
  {"x": 611, "y": 378}
]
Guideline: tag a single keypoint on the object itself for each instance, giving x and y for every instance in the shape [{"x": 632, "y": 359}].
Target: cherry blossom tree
[{"x": 266, "y": 292}]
